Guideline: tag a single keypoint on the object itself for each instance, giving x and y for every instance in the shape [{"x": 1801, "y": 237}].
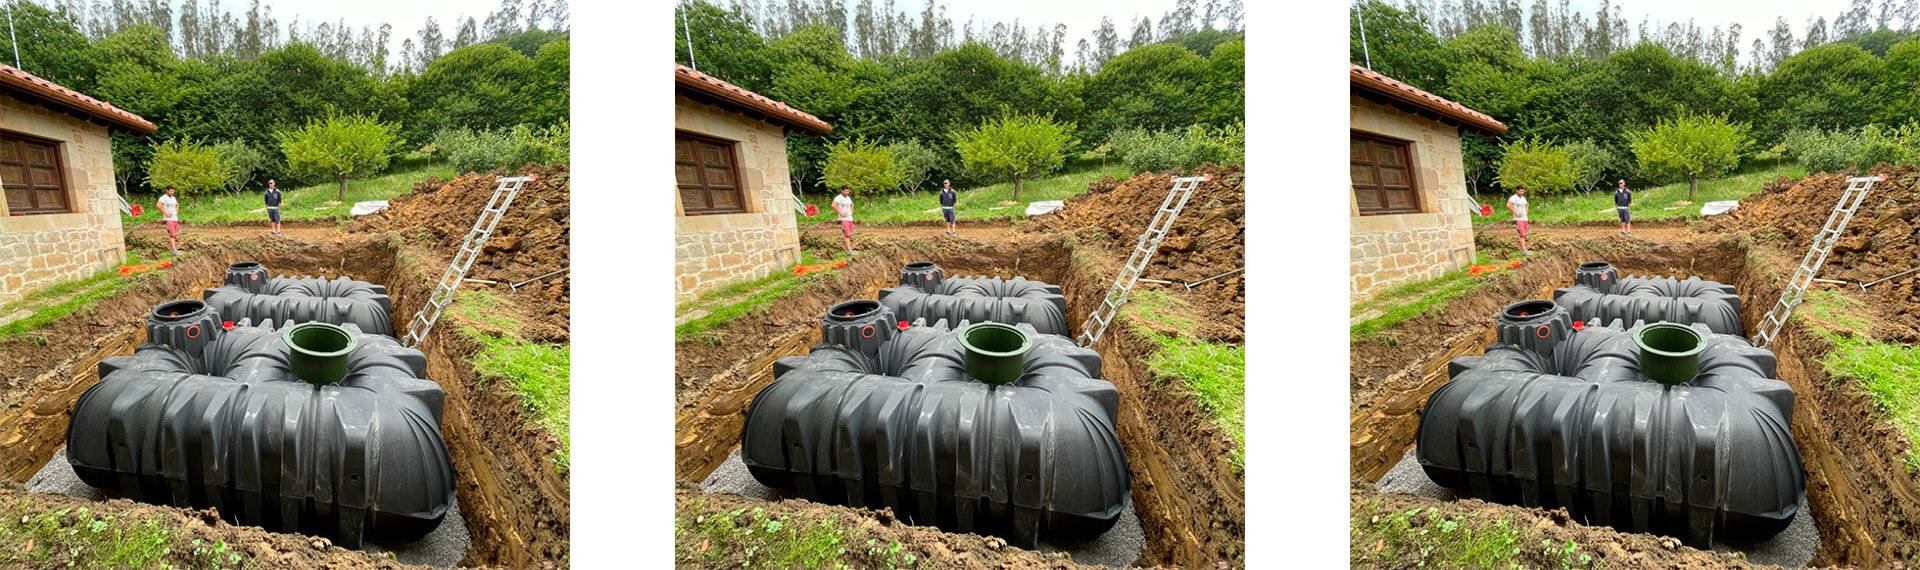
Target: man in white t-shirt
[
  {"x": 843, "y": 204},
  {"x": 170, "y": 213},
  {"x": 1518, "y": 205}
]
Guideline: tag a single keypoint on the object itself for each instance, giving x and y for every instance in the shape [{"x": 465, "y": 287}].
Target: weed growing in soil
[
  {"x": 79, "y": 538},
  {"x": 1427, "y": 538},
  {"x": 1215, "y": 373},
  {"x": 755, "y": 540},
  {"x": 1889, "y": 373},
  {"x": 538, "y": 372}
]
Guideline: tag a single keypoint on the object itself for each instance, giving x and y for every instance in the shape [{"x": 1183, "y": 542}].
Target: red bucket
[
  {"x": 812, "y": 210},
  {"x": 136, "y": 210},
  {"x": 1486, "y": 210}
]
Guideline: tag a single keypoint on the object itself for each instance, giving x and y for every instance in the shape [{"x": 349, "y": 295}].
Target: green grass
[
  {"x": 730, "y": 302},
  {"x": 1660, "y": 203},
  {"x": 80, "y": 538},
  {"x": 1215, "y": 373},
  {"x": 759, "y": 540},
  {"x": 1411, "y": 300},
  {"x": 538, "y": 372},
  {"x": 974, "y": 204},
  {"x": 1427, "y": 538},
  {"x": 79, "y": 296},
  {"x": 1888, "y": 373},
  {"x": 307, "y": 203}
]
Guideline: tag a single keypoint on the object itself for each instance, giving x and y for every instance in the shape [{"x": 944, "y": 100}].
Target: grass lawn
[
  {"x": 986, "y": 203},
  {"x": 745, "y": 297},
  {"x": 1659, "y": 203},
  {"x": 1888, "y": 373},
  {"x": 538, "y": 372},
  {"x": 39, "y": 308},
  {"x": 1423, "y": 297},
  {"x": 308, "y": 203},
  {"x": 1216, "y": 374}
]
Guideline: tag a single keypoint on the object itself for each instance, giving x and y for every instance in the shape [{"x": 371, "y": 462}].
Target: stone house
[
  {"x": 1412, "y": 218},
  {"x": 61, "y": 217},
  {"x": 734, "y": 212}
]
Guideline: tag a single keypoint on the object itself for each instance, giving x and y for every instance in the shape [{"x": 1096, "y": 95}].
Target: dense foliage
[
  {"x": 1690, "y": 147},
  {"x": 484, "y": 150},
  {"x": 1542, "y": 168},
  {"x": 1561, "y": 76},
  {"x": 339, "y": 147},
  {"x": 1015, "y": 147},
  {"x": 863, "y": 166},
  {"x": 189, "y": 166},
  {"x": 231, "y": 78},
  {"x": 1147, "y": 150},
  {"x": 896, "y": 78}
]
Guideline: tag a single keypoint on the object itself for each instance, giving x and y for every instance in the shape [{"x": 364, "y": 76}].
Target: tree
[
  {"x": 1545, "y": 169},
  {"x": 917, "y": 162},
  {"x": 1157, "y": 87},
  {"x": 242, "y": 161},
  {"x": 191, "y": 167},
  {"x": 1592, "y": 163},
  {"x": 340, "y": 147},
  {"x": 863, "y": 166},
  {"x": 1691, "y": 147},
  {"x": 1014, "y": 146},
  {"x": 486, "y": 86}
]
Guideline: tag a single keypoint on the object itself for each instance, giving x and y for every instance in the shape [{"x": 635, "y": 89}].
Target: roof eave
[
  {"x": 815, "y": 126},
  {"x": 1486, "y": 125}
]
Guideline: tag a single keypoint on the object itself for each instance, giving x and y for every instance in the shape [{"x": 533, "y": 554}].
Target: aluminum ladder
[
  {"x": 1142, "y": 254},
  {"x": 503, "y": 193},
  {"x": 1823, "y": 242}
]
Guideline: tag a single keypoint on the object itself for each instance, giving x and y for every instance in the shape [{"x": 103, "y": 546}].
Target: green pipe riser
[
  {"x": 995, "y": 353},
  {"x": 1669, "y": 352},
  {"x": 320, "y": 351}
]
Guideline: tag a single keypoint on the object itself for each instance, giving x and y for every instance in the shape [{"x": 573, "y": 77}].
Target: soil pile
[
  {"x": 1207, "y": 240},
  {"x": 531, "y": 240},
  {"x": 1882, "y": 240}
]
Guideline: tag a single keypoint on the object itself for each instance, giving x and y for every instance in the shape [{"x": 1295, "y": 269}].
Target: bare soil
[
  {"x": 1865, "y": 502},
  {"x": 1190, "y": 501}
]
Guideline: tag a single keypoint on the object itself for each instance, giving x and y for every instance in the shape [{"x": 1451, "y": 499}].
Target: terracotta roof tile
[
  {"x": 53, "y": 92},
  {"x": 711, "y": 85},
  {"x": 1379, "y": 83}
]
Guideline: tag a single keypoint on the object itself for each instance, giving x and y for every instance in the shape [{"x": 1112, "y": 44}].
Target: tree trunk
[
  {"x": 1016, "y": 188},
  {"x": 343, "y": 188},
  {"x": 1692, "y": 183}
]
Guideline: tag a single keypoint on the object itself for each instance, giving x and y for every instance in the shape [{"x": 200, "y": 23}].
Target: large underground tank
[
  {"x": 1649, "y": 427},
  {"x": 1599, "y": 294},
  {"x": 310, "y": 427},
  {"x": 250, "y": 293},
  {"x": 973, "y": 427},
  {"x": 925, "y": 292}
]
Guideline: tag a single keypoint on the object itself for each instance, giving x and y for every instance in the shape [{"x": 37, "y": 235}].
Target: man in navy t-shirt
[
  {"x": 273, "y": 206},
  {"x": 948, "y": 198},
  {"x": 1622, "y": 199}
]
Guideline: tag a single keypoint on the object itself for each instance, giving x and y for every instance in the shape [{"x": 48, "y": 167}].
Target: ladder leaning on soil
[
  {"x": 1149, "y": 243},
  {"x": 1823, "y": 242},
  {"x": 503, "y": 193}
]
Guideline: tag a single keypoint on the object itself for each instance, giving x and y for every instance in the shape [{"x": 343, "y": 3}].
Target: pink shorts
[
  {"x": 173, "y": 228},
  {"x": 846, "y": 227},
  {"x": 1522, "y": 224}
]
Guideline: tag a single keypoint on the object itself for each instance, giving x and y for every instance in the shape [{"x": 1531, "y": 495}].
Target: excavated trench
[
  {"x": 1189, "y": 501},
  {"x": 1865, "y": 503},
  {"x": 513, "y": 501}
]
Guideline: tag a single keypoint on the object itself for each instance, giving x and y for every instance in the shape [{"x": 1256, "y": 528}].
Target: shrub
[
  {"x": 489, "y": 150},
  {"x": 191, "y": 167},
  {"x": 1593, "y": 164},
  {"x": 1144, "y": 150},
  {"x": 864, "y": 166},
  {"x": 1014, "y": 146},
  {"x": 1834, "y": 151},
  {"x": 244, "y": 162},
  {"x": 1545, "y": 169}
]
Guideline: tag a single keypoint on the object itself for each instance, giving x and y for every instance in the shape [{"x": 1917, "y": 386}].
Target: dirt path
[{"x": 289, "y": 230}]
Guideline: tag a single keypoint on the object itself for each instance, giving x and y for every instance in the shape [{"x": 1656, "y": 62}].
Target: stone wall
[
  {"x": 1395, "y": 249},
  {"x": 40, "y": 250},
  {"x": 713, "y": 250}
]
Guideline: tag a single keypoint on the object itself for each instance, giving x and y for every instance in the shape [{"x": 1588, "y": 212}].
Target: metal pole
[
  {"x": 11, "y": 38},
  {"x": 691, "y": 61},
  {"x": 1364, "y": 52}
]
